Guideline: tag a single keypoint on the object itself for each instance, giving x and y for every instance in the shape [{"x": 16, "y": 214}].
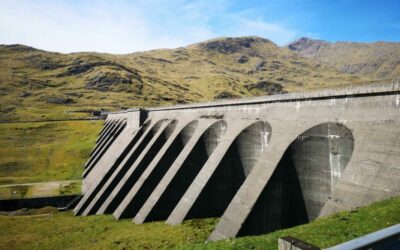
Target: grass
[
  {"x": 53, "y": 230},
  {"x": 45, "y": 151},
  {"x": 63, "y": 231},
  {"x": 324, "y": 232}
]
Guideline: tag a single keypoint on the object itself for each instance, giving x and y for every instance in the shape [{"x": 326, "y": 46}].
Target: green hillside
[{"x": 40, "y": 85}]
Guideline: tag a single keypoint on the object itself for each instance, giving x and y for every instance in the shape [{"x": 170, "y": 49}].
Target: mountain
[
  {"x": 41, "y": 85},
  {"x": 378, "y": 60}
]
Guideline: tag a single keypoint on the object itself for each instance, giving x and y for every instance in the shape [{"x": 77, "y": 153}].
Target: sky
[{"x": 123, "y": 26}]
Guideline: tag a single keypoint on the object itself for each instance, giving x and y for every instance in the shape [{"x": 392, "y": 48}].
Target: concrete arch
[
  {"x": 164, "y": 130},
  {"x": 214, "y": 187},
  {"x": 88, "y": 197},
  {"x": 155, "y": 170},
  {"x": 304, "y": 179},
  {"x": 183, "y": 171}
]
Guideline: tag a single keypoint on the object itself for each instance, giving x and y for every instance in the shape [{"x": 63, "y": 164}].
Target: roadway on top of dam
[{"x": 320, "y": 94}]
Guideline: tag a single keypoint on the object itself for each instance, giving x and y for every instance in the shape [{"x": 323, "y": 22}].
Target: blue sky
[{"x": 129, "y": 26}]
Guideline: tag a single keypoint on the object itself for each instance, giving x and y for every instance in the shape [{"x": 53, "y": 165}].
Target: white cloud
[{"x": 125, "y": 26}]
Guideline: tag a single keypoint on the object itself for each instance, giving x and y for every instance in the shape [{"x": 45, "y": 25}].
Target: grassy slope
[
  {"x": 60, "y": 231},
  {"x": 45, "y": 151},
  {"x": 31, "y": 79}
]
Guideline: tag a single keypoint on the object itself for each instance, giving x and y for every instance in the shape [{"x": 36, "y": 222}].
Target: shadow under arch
[
  {"x": 188, "y": 171},
  {"x": 231, "y": 172},
  {"x": 303, "y": 180}
]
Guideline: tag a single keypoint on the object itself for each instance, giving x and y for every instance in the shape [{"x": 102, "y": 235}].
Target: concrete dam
[{"x": 259, "y": 164}]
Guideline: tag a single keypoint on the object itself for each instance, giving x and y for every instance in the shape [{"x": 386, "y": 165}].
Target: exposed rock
[
  {"x": 42, "y": 62},
  {"x": 243, "y": 59},
  {"x": 225, "y": 95},
  {"x": 79, "y": 67},
  {"x": 40, "y": 84},
  {"x": 60, "y": 100},
  {"x": 377, "y": 59},
  {"x": 74, "y": 94},
  {"x": 231, "y": 45},
  {"x": 259, "y": 65},
  {"x": 307, "y": 45},
  {"x": 25, "y": 94},
  {"x": 269, "y": 87},
  {"x": 105, "y": 81}
]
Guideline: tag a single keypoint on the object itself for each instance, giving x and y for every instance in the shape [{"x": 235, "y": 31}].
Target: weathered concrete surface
[
  {"x": 167, "y": 193},
  {"x": 135, "y": 170},
  {"x": 156, "y": 169},
  {"x": 108, "y": 141},
  {"x": 318, "y": 152},
  {"x": 100, "y": 190},
  {"x": 119, "y": 149}
]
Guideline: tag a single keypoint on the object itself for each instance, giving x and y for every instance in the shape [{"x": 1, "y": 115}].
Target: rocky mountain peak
[
  {"x": 228, "y": 45},
  {"x": 306, "y": 44}
]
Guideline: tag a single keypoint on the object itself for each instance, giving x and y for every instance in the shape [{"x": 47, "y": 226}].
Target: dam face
[{"x": 259, "y": 164}]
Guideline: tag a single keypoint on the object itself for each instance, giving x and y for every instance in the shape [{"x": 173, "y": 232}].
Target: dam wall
[{"x": 260, "y": 164}]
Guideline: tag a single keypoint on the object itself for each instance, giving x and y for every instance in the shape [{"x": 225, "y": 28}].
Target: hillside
[
  {"x": 41, "y": 85},
  {"x": 378, "y": 60}
]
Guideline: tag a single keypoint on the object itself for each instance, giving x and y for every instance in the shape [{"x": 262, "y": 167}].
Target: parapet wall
[{"x": 248, "y": 161}]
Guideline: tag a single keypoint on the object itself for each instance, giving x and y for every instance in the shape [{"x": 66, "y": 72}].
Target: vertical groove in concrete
[
  {"x": 156, "y": 170},
  {"x": 179, "y": 176},
  {"x": 149, "y": 129},
  {"x": 112, "y": 197},
  {"x": 224, "y": 172},
  {"x": 104, "y": 149},
  {"x": 88, "y": 196}
]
